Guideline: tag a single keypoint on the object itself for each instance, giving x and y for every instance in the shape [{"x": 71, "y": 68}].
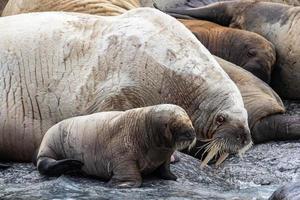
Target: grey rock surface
[{"x": 257, "y": 175}]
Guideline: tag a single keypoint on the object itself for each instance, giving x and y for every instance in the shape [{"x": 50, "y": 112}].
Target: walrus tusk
[
  {"x": 222, "y": 158},
  {"x": 210, "y": 155}
]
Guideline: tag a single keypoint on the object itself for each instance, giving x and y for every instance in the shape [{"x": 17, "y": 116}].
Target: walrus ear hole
[
  {"x": 220, "y": 119},
  {"x": 251, "y": 53}
]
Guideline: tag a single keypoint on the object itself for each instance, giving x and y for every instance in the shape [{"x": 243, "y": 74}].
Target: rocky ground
[{"x": 262, "y": 170}]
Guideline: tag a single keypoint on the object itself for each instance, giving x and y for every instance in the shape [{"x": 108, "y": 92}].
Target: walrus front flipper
[
  {"x": 276, "y": 127},
  {"x": 164, "y": 172},
  {"x": 51, "y": 167},
  {"x": 3, "y": 166},
  {"x": 126, "y": 175}
]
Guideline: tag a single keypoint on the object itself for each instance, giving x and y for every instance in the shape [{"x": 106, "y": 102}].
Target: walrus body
[
  {"x": 276, "y": 22},
  {"x": 117, "y": 145},
  {"x": 60, "y": 65},
  {"x": 245, "y": 49},
  {"x": 97, "y": 7}
]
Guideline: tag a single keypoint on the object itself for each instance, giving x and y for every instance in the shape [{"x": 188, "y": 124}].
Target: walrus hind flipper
[
  {"x": 126, "y": 175},
  {"x": 3, "y": 166},
  {"x": 164, "y": 172},
  {"x": 51, "y": 167},
  {"x": 277, "y": 127}
]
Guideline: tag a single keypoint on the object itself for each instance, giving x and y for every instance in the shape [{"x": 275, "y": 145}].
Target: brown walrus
[
  {"x": 97, "y": 7},
  {"x": 60, "y": 65},
  {"x": 243, "y": 48},
  {"x": 117, "y": 146},
  {"x": 266, "y": 117},
  {"x": 278, "y": 23}
]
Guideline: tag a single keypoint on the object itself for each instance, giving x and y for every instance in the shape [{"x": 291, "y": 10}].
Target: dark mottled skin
[{"x": 117, "y": 146}]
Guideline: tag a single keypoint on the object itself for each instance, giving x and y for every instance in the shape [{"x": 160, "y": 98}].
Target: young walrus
[{"x": 117, "y": 146}]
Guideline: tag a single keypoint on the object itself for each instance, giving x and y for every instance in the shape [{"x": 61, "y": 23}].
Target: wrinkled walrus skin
[
  {"x": 243, "y": 48},
  {"x": 117, "y": 146},
  {"x": 278, "y": 23},
  {"x": 59, "y": 65},
  {"x": 97, "y": 7}
]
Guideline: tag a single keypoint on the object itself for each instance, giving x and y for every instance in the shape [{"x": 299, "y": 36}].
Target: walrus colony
[
  {"x": 58, "y": 65},
  {"x": 270, "y": 134}
]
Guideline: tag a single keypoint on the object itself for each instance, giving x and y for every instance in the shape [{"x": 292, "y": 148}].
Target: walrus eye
[
  {"x": 220, "y": 119},
  {"x": 251, "y": 53}
]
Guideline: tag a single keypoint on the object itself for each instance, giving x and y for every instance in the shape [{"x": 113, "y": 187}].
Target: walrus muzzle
[{"x": 227, "y": 140}]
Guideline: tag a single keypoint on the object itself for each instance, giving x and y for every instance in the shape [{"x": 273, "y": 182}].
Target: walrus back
[{"x": 97, "y": 7}]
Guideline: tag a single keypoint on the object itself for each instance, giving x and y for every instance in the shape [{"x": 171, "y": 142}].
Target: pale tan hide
[
  {"x": 97, "y": 7},
  {"x": 60, "y": 65}
]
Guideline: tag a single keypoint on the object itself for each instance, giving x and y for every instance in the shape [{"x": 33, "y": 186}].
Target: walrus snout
[
  {"x": 233, "y": 138},
  {"x": 259, "y": 70},
  {"x": 185, "y": 135}
]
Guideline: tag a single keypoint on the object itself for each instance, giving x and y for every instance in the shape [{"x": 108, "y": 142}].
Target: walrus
[
  {"x": 278, "y": 23},
  {"x": 56, "y": 66},
  {"x": 265, "y": 109},
  {"x": 97, "y": 7},
  {"x": 117, "y": 146},
  {"x": 243, "y": 48},
  {"x": 287, "y": 192}
]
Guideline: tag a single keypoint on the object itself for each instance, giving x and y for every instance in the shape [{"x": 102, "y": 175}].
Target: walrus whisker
[
  {"x": 242, "y": 151},
  {"x": 210, "y": 155}
]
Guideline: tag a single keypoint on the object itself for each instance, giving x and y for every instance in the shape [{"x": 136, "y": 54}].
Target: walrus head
[
  {"x": 171, "y": 127},
  {"x": 255, "y": 54},
  {"x": 223, "y": 126}
]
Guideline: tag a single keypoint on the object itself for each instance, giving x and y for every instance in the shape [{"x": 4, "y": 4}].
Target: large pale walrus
[
  {"x": 278, "y": 23},
  {"x": 60, "y": 65},
  {"x": 97, "y": 7},
  {"x": 117, "y": 146},
  {"x": 243, "y": 48}
]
